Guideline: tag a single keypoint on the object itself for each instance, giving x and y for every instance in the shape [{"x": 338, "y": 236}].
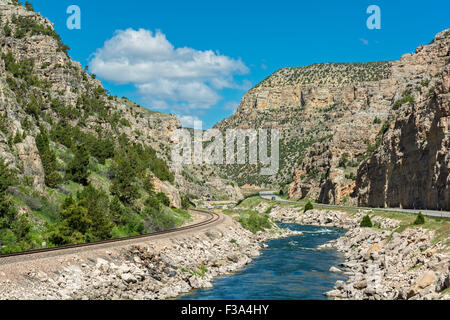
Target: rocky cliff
[
  {"x": 410, "y": 167},
  {"x": 63, "y": 136},
  {"x": 30, "y": 37},
  {"x": 335, "y": 119},
  {"x": 324, "y": 111}
]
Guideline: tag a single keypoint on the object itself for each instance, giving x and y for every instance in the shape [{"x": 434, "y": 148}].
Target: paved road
[{"x": 270, "y": 195}]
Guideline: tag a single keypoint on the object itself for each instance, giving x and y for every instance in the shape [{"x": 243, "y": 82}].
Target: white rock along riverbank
[
  {"x": 159, "y": 269},
  {"x": 380, "y": 264}
]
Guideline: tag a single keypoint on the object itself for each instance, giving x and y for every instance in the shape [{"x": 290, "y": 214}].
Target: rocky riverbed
[
  {"x": 380, "y": 263},
  {"x": 159, "y": 269}
]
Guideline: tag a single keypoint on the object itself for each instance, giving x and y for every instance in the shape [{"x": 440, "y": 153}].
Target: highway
[{"x": 270, "y": 195}]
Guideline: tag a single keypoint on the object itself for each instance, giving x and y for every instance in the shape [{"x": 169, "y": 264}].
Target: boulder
[
  {"x": 335, "y": 270},
  {"x": 360, "y": 285},
  {"x": 427, "y": 279}
]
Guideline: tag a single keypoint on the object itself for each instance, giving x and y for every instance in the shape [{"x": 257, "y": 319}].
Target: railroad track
[{"x": 211, "y": 219}]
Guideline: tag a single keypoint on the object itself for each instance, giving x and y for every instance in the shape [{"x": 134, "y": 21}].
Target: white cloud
[{"x": 167, "y": 77}]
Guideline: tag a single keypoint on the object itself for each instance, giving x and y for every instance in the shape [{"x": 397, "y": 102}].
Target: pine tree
[
  {"x": 116, "y": 210},
  {"x": 123, "y": 182},
  {"x": 7, "y": 177},
  {"x": 366, "y": 222},
  {"x": 96, "y": 203},
  {"x": 420, "y": 219},
  {"x": 78, "y": 168},
  {"x": 14, "y": 229},
  {"x": 148, "y": 184},
  {"x": 308, "y": 206},
  {"x": 8, "y": 212},
  {"x": 48, "y": 159}
]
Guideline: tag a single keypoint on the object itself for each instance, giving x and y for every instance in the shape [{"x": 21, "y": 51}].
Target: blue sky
[{"x": 197, "y": 58}]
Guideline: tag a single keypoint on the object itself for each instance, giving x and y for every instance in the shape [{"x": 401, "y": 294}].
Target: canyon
[{"x": 352, "y": 133}]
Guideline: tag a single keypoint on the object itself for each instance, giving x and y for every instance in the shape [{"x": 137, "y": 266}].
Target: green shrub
[
  {"x": 351, "y": 176},
  {"x": 27, "y": 25},
  {"x": 21, "y": 70},
  {"x": 406, "y": 99},
  {"x": 7, "y": 177},
  {"x": 163, "y": 199},
  {"x": 308, "y": 207},
  {"x": 186, "y": 202},
  {"x": 29, "y": 6},
  {"x": 14, "y": 228},
  {"x": 420, "y": 219},
  {"x": 160, "y": 220},
  {"x": 254, "y": 221},
  {"x": 366, "y": 222},
  {"x": 7, "y": 30},
  {"x": 18, "y": 138},
  {"x": 344, "y": 160}
]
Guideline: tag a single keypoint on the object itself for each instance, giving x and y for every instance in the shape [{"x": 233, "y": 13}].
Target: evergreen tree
[
  {"x": 14, "y": 229},
  {"x": 116, "y": 210},
  {"x": 123, "y": 182},
  {"x": 7, "y": 30},
  {"x": 366, "y": 222},
  {"x": 74, "y": 227},
  {"x": 420, "y": 219},
  {"x": 78, "y": 168},
  {"x": 48, "y": 159},
  {"x": 7, "y": 177},
  {"x": 308, "y": 207},
  {"x": 96, "y": 203},
  {"x": 103, "y": 149},
  {"x": 186, "y": 202},
  {"x": 18, "y": 138},
  {"x": 148, "y": 184}
]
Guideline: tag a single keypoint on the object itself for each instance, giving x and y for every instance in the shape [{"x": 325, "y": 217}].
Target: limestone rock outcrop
[
  {"x": 30, "y": 38},
  {"x": 357, "y": 133}
]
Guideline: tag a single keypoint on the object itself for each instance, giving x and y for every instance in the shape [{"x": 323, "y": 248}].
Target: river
[{"x": 289, "y": 269}]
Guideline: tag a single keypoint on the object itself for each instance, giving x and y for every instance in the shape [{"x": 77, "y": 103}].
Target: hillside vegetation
[{"x": 76, "y": 164}]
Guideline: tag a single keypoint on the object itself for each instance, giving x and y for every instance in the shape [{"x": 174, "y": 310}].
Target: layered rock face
[
  {"x": 58, "y": 78},
  {"x": 334, "y": 116},
  {"x": 67, "y": 82},
  {"x": 323, "y": 111},
  {"x": 410, "y": 168}
]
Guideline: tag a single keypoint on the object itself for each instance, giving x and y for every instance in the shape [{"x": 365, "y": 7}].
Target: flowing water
[{"x": 289, "y": 269}]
